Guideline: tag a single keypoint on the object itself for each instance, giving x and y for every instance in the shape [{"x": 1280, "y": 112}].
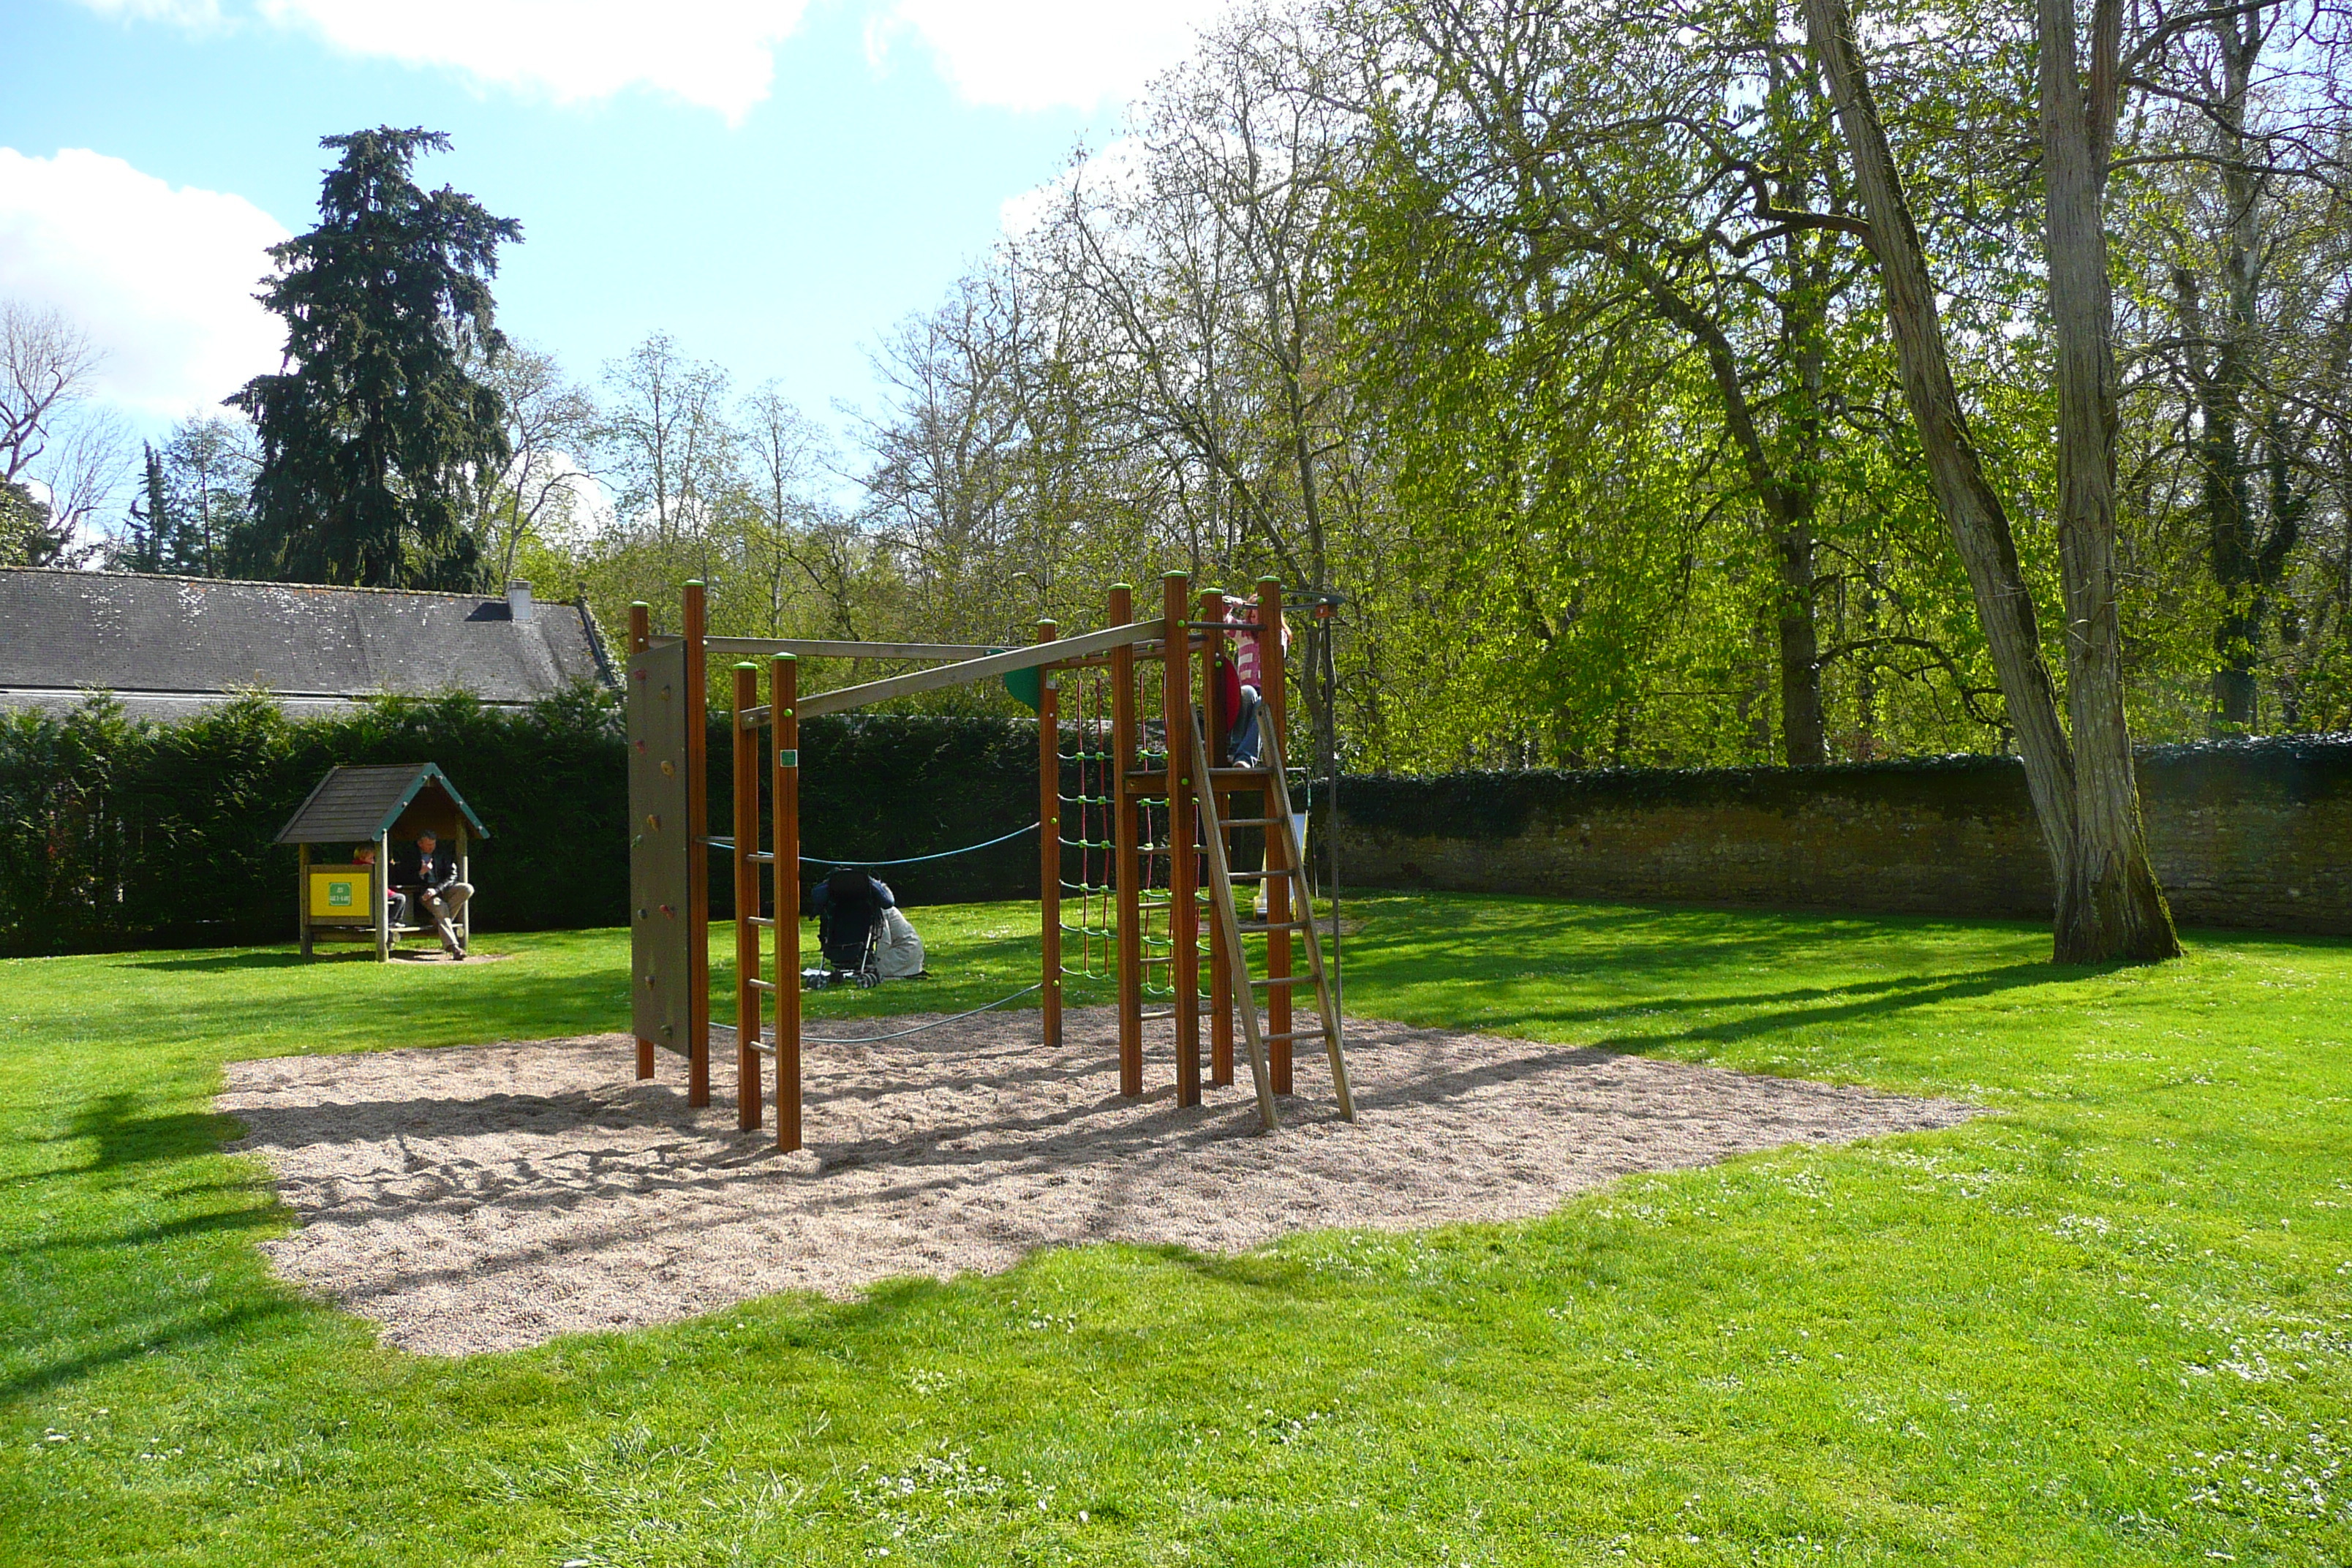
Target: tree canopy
[{"x": 377, "y": 433}]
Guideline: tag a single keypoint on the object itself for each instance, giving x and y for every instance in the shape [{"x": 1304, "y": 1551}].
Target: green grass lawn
[{"x": 2110, "y": 1322}]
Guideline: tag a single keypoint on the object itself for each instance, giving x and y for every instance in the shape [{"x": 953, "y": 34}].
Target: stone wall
[{"x": 2252, "y": 834}]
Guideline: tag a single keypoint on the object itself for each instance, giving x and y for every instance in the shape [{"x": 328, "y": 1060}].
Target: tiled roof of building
[{"x": 170, "y": 646}]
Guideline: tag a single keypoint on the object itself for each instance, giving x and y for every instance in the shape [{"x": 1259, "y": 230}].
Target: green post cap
[
  {"x": 1128, "y": 586},
  {"x": 1165, "y": 575},
  {"x": 747, "y": 664},
  {"x": 694, "y": 582},
  {"x": 639, "y": 605},
  {"x": 1263, "y": 582},
  {"x": 780, "y": 658}
]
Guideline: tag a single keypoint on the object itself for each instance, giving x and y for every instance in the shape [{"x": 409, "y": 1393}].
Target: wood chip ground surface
[{"x": 485, "y": 1198}]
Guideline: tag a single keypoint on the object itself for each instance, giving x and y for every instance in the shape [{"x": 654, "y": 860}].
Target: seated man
[{"x": 432, "y": 872}]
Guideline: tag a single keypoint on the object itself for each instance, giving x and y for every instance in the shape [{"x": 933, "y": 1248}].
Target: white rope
[{"x": 902, "y": 1034}]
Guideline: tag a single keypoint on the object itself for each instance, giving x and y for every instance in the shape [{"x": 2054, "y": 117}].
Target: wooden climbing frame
[{"x": 1132, "y": 760}]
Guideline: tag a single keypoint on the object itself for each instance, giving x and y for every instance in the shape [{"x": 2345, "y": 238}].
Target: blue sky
[{"x": 775, "y": 184}]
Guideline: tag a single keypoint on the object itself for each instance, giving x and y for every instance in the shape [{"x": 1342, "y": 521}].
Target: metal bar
[
  {"x": 971, "y": 669},
  {"x": 752, "y": 717},
  {"x": 824, "y": 647}
]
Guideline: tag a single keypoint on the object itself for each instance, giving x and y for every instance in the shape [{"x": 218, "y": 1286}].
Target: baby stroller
[{"x": 848, "y": 905}]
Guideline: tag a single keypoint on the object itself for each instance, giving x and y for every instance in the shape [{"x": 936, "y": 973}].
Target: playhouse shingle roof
[
  {"x": 355, "y": 804},
  {"x": 170, "y": 646}
]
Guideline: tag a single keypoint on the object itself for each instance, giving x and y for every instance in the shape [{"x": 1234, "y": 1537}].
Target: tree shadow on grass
[
  {"x": 124, "y": 1137},
  {"x": 212, "y": 963}
]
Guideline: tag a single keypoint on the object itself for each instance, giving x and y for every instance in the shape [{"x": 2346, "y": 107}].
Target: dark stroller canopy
[{"x": 844, "y": 927}]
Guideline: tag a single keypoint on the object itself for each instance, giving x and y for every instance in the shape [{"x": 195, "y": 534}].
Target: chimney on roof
[{"x": 518, "y": 599}]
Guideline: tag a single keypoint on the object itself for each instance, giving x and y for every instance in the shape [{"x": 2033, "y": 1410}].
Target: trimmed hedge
[
  {"x": 116, "y": 832},
  {"x": 1504, "y": 805}
]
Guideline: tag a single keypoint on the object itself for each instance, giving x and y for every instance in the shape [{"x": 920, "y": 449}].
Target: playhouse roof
[{"x": 355, "y": 804}]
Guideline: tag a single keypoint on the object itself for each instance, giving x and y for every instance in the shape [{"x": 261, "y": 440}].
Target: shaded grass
[{"x": 2111, "y": 1322}]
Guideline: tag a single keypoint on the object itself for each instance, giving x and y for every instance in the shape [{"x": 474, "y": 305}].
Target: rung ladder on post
[{"x": 1284, "y": 843}]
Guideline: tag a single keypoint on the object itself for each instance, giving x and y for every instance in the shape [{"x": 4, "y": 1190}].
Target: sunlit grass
[{"x": 2110, "y": 1322}]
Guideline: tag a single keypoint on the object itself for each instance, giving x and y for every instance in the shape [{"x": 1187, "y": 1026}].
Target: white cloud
[
  {"x": 160, "y": 279},
  {"x": 1118, "y": 166},
  {"x": 1022, "y": 55},
  {"x": 1046, "y": 54},
  {"x": 717, "y": 54}
]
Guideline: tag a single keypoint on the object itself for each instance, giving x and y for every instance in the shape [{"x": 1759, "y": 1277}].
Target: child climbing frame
[{"x": 1136, "y": 803}]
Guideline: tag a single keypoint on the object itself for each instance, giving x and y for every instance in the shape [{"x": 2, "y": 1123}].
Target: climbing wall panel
[{"x": 661, "y": 852}]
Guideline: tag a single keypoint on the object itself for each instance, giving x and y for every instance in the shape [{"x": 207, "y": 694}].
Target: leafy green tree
[{"x": 375, "y": 439}]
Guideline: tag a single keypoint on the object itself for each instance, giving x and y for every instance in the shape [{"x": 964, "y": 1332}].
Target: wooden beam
[
  {"x": 1049, "y": 848},
  {"x": 784, "y": 884},
  {"x": 1126, "y": 873},
  {"x": 747, "y": 760},
  {"x": 697, "y": 913},
  {"x": 1274, "y": 676},
  {"x": 1184, "y": 885},
  {"x": 971, "y": 669}
]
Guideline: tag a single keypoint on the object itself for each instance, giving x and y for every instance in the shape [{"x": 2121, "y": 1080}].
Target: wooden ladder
[{"x": 1230, "y": 928}]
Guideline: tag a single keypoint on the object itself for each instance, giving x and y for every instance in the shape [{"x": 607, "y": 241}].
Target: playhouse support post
[
  {"x": 747, "y": 900},
  {"x": 465, "y": 875},
  {"x": 1213, "y": 712},
  {"x": 302, "y": 896},
  {"x": 784, "y": 870},
  {"x": 380, "y": 883},
  {"x": 697, "y": 913},
  {"x": 1049, "y": 845},
  {"x": 641, "y": 637},
  {"x": 1183, "y": 894},
  {"x": 1277, "y": 855},
  {"x": 1125, "y": 873}
]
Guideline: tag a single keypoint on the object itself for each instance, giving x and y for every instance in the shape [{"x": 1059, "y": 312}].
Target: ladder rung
[
  {"x": 1286, "y": 980},
  {"x": 1250, "y": 927},
  {"x": 1288, "y": 1034},
  {"x": 1266, "y": 774},
  {"x": 1155, "y": 1018},
  {"x": 761, "y": 857},
  {"x": 761, "y": 921},
  {"x": 761, "y": 985},
  {"x": 1250, "y": 821}
]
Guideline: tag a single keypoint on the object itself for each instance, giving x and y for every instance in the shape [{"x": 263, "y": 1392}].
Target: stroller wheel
[{"x": 868, "y": 981}]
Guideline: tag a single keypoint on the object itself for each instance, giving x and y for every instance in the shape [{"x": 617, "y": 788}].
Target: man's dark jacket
[{"x": 410, "y": 870}]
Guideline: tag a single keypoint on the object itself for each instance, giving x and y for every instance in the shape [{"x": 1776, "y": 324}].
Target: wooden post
[
  {"x": 1049, "y": 844},
  {"x": 784, "y": 844},
  {"x": 303, "y": 897},
  {"x": 1126, "y": 874},
  {"x": 1278, "y": 857},
  {"x": 747, "y": 900},
  {"x": 380, "y": 884},
  {"x": 1183, "y": 909},
  {"x": 1213, "y": 712},
  {"x": 697, "y": 865},
  {"x": 465, "y": 875},
  {"x": 641, "y": 637}
]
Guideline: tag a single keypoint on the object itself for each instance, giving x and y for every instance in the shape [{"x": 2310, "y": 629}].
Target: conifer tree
[{"x": 374, "y": 436}]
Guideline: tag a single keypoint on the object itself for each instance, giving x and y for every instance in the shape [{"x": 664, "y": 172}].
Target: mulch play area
[{"x": 473, "y": 1199}]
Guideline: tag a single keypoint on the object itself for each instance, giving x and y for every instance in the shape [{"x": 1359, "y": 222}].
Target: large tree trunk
[
  {"x": 1802, "y": 731},
  {"x": 2109, "y": 905},
  {"x": 2097, "y": 888}
]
